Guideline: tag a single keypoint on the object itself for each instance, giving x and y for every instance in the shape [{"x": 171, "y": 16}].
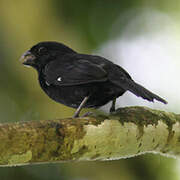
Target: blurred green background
[{"x": 125, "y": 31}]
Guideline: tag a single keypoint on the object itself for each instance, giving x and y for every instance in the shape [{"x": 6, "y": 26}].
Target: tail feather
[{"x": 140, "y": 91}]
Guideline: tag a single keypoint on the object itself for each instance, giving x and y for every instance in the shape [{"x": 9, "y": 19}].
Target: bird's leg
[
  {"x": 76, "y": 114},
  {"x": 113, "y": 106}
]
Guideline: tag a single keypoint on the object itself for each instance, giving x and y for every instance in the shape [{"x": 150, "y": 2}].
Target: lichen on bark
[{"x": 128, "y": 132}]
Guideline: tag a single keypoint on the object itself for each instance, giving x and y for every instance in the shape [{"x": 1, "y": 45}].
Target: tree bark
[{"x": 129, "y": 132}]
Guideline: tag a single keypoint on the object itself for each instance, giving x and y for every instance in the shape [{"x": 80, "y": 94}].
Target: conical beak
[{"x": 28, "y": 58}]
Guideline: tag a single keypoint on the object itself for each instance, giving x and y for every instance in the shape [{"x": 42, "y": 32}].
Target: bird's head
[{"x": 44, "y": 52}]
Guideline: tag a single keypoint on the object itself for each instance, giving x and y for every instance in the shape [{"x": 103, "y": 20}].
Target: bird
[{"x": 81, "y": 80}]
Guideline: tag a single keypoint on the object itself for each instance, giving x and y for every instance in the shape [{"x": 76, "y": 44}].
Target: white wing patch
[
  {"x": 47, "y": 83},
  {"x": 59, "y": 79}
]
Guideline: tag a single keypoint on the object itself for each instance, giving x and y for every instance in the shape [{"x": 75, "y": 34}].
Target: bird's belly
[{"x": 72, "y": 96}]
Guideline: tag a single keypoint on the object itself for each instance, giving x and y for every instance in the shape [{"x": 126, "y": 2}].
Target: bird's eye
[{"x": 42, "y": 50}]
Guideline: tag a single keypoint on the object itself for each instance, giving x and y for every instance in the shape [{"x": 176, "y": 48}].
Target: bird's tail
[{"x": 138, "y": 90}]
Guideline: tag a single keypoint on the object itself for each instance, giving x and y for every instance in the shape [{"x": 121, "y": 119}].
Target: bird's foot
[
  {"x": 112, "y": 109},
  {"x": 76, "y": 116},
  {"x": 84, "y": 115},
  {"x": 87, "y": 114}
]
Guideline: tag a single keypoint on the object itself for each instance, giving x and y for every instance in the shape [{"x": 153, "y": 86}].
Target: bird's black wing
[{"x": 74, "y": 73}]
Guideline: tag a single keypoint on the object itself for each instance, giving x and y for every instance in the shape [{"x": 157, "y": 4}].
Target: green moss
[
  {"x": 82, "y": 150},
  {"x": 65, "y": 139},
  {"x": 20, "y": 158},
  {"x": 96, "y": 120},
  {"x": 96, "y": 156},
  {"x": 144, "y": 116},
  {"x": 71, "y": 132}
]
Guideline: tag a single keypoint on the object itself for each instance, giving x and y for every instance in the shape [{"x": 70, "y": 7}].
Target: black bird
[{"x": 81, "y": 80}]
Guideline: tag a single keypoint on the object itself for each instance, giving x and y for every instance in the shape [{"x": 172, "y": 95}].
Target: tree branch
[{"x": 129, "y": 132}]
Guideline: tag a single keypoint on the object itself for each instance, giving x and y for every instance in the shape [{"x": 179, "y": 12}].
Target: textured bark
[{"x": 129, "y": 132}]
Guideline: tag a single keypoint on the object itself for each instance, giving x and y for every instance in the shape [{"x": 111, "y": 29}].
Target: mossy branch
[{"x": 129, "y": 132}]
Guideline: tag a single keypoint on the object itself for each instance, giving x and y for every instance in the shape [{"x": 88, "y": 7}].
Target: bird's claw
[
  {"x": 84, "y": 115},
  {"x": 87, "y": 114}
]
